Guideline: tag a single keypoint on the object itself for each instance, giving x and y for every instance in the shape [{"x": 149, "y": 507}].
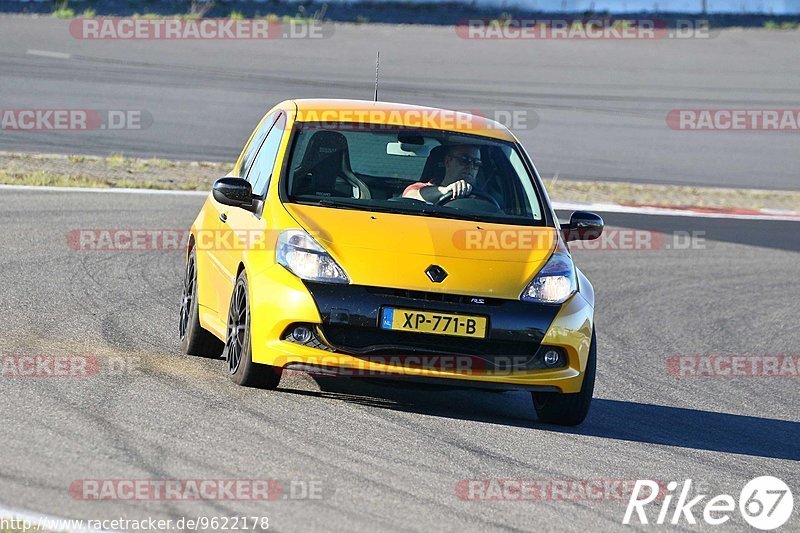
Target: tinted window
[
  {"x": 255, "y": 143},
  {"x": 265, "y": 160}
]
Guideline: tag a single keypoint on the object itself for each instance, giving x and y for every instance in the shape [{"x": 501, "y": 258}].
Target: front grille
[
  {"x": 433, "y": 296},
  {"x": 434, "y": 352},
  {"x": 351, "y": 323}
]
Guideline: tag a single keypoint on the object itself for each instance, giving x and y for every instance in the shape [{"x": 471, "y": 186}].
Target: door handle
[{"x": 223, "y": 217}]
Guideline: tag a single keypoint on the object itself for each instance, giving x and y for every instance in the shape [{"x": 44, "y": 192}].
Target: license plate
[{"x": 433, "y": 322}]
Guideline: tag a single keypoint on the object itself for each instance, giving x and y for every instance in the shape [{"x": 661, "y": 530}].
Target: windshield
[{"x": 419, "y": 172}]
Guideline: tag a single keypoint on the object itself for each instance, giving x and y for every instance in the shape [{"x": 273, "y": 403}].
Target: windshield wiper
[
  {"x": 324, "y": 202},
  {"x": 329, "y": 203},
  {"x": 426, "y": 209}
]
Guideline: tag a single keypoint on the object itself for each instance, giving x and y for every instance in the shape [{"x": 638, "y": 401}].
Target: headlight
[
  {"x": 306, "y": 259},
  {"x": 555, "y": 282}
]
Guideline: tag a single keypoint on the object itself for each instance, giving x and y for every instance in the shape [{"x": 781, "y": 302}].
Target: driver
[{"x": 461, "y": 164}]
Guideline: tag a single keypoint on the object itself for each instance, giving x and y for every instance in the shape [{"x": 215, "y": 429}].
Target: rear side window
[
  {"x": 255, "y": 144},
  {"x": 261, "y": 171}
]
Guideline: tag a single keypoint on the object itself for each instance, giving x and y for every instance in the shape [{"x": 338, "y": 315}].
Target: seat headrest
[
  {"x": 325, "y": 158},
  {"x": 323, "y": 145},
  {"x": 434, "y": 166}
]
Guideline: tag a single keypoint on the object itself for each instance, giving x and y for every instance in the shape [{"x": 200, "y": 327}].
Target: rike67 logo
[{"x": 765, "y": 503}]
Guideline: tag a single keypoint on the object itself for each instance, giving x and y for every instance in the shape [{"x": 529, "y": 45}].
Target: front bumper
[{"x": 347, "y": 319}]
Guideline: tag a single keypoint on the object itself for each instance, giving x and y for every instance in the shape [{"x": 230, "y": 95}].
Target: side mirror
[
  {"x": 236, "y": 192},
  {"x": 583, "y": 226}
]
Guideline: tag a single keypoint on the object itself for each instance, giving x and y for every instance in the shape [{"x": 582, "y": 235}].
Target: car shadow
[{"x": 612, "y": 419}]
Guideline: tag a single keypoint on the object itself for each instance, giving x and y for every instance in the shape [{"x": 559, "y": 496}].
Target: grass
[
  {"x": 62, "y": 10},
  {"x": 64, "y": 13},
  {"x": 772, "y": 25},
  {"x": 50, "y": 179},
  {"x": 272, "y": 17},
  {"x": 116, "y": 170},
  {"x": 160, "y": 163},
  {"x": 115, "y": 160}
]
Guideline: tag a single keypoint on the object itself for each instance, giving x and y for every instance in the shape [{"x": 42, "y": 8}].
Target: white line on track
[
  {"x": 561, "y": 206},
  {"x": 48, "y": 53},
  {"x": 35, "y": 188},
  {"x": 47, "y": 522}
]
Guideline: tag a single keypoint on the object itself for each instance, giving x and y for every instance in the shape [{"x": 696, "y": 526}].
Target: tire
[
  {"x": 194, "y": 339},
  {"x": 238, "y": 353},
  {"x": 569, "y": 409}
]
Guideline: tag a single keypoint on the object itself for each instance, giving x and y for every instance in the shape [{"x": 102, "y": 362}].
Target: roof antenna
[{"x": 377, "y": 66}]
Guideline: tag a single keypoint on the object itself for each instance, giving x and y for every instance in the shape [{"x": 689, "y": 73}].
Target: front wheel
[
  {"x": 238, "y": 351},
  {"x": 569, "y": 409}
]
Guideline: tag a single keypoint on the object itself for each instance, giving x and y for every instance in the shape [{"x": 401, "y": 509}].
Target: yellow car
[{"x": 371, "y": 239}]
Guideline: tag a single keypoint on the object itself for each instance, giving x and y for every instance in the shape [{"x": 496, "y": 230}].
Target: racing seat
[
  {"x": 325, "y": 169},
  {"x": 434, "y": 166}
]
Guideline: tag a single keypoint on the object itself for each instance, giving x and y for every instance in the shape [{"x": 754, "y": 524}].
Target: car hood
[{"x": 394, "y": 250}]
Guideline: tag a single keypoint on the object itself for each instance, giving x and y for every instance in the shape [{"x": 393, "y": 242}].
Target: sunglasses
[{"x": 467, "y": 160}]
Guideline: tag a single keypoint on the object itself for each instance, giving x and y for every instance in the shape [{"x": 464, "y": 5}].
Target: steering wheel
[{"x": 448, "y": 197}]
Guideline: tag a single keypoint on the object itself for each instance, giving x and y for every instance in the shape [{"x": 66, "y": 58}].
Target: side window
[
  {"x": 255, "y": 143},
  {"x": 261, "y": 171}
]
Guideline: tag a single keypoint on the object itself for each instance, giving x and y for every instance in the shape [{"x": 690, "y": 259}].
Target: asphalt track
[
  {"x": 588, "y": 110},
  {"x": 387, "y": 458},
  {"x": 391, "y": 458}
]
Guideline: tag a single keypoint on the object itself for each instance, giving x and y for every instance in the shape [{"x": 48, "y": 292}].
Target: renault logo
[{"x": 436, "y": 273}]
